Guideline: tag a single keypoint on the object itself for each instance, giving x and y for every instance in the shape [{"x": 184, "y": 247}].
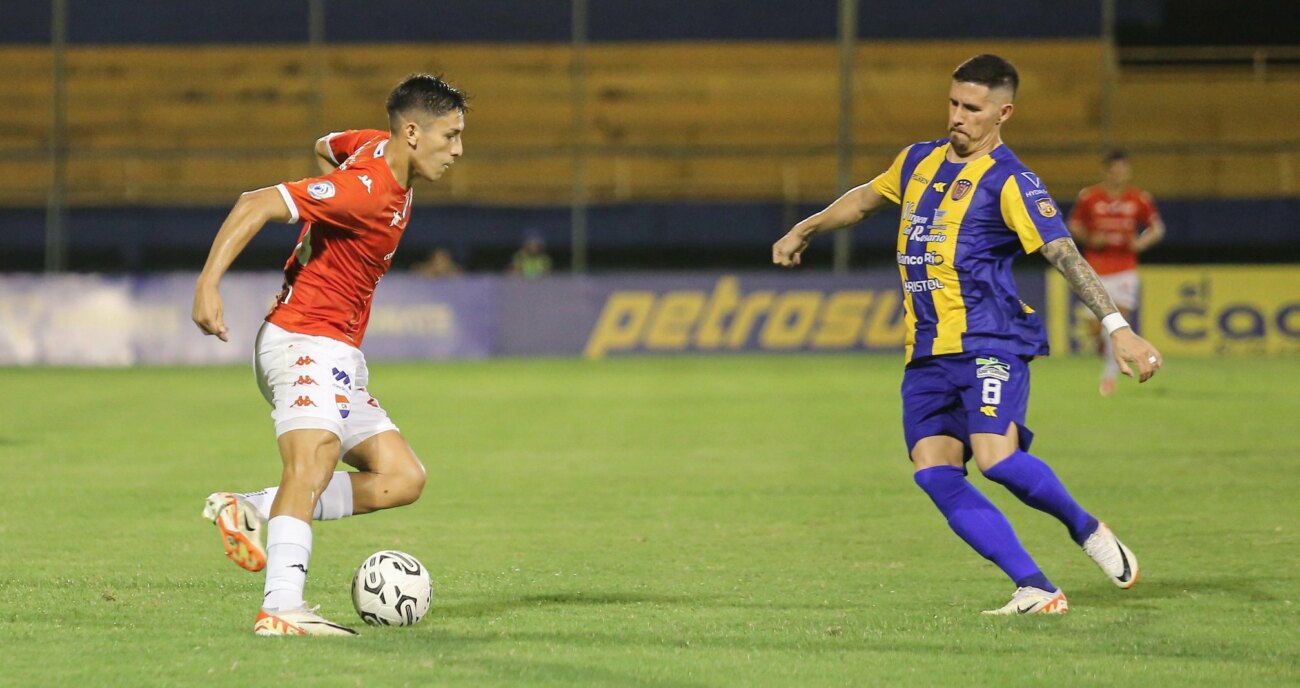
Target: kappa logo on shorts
[
  {"x": 373, "y": 402},
  {"x": 992, "y": 367},
  {"x": 342, "y": 402},
  {"x": 305, "y": 361},
  {"x": 303, "y": 402},
  {"x": 304, "y": 380}
]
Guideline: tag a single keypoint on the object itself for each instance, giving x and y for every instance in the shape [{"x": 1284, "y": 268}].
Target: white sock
[
  {"x": 262, "y": 500},
  {"x": 334, "y": 503},
  {"x": 1109, "y": 368},
  {"x": 288, "y": 549}
]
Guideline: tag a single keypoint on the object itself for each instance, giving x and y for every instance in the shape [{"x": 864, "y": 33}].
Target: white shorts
[
  {"x": 1123, "y": 288},
  {"x": 319, "y": 383}
]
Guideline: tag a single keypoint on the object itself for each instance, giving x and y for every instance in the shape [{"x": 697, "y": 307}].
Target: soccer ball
[{"x": 391, "y": 589}]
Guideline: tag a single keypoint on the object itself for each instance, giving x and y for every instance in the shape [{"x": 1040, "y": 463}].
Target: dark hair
[
  {"x": 427, "y": 93},
  {"x": 1114, "y": 156},
  {"x": 988, "y": 70}
]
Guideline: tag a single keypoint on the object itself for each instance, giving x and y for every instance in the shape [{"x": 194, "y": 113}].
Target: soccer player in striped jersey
[
  {"x": 308, "y": 361},
  {"x": 969, "y": 208},
  {"x": 1115, "y": 222}
]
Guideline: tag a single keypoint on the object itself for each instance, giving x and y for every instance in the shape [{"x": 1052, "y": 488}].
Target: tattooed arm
[{"x": 1084, "y": 282}]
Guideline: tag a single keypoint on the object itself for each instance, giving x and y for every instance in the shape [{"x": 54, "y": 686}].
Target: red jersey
[
  {"x": 353, "y": 219},
  {"x": 1119, "y": 219}
]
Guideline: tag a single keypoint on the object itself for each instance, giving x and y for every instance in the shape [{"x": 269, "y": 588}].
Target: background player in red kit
[
  {"x": 309, "y": 364},
  {"x": 1115, "y": 222}
]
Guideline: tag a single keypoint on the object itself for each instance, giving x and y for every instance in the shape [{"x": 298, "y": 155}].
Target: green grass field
[{"x": 656, "y": 522}]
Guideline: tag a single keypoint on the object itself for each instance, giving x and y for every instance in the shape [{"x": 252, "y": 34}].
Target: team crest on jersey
[
  {"x": 1046, "y": 208},
  {"x": 344, "y": 407},
  {"x": 321, "y": 190},
  {"x": 961, "y": 188}
]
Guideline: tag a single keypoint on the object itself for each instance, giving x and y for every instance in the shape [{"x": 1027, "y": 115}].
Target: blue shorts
[{"x": 961, "y": 394}]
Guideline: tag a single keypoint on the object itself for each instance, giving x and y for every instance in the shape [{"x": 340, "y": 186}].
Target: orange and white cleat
[
  {"x": 1033, "y": 601},
  {"x": 240, "y": 526},
  {"x": 300, "y": 621}
]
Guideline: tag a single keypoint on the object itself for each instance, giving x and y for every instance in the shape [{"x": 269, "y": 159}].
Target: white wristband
[{"x": 1113, "y": 322}]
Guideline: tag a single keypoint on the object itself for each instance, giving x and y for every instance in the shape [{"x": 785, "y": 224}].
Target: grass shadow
[{"x": 497, "y": 606}]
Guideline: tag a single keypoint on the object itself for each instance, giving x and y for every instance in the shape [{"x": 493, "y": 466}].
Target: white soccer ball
[{"x": 391, "y": 589}]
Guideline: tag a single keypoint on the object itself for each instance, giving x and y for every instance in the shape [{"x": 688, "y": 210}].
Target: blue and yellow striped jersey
[{"x": 962, "y": 225}]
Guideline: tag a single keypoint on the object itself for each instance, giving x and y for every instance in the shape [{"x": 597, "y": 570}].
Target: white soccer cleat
[
  {"x": 300, "y": 621},
  {"x": 1033, "y": 601},
  {"x": 1112, "y": 557},
  {"x": 240, "y": 526}
]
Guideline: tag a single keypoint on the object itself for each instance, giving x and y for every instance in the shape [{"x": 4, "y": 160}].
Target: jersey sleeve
[
  {"x": 339, "y": 198},
  {"x": 342, "y": 144},
  {"x": 1031, "y": 214},
  {"x": 890, "y": 182}
]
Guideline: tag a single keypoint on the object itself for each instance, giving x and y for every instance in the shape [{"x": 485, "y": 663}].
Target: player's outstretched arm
[
  {"x": 251, "y": 212},
  {"x": 851, "y": 208},
  {"x": 1084, "y": 282}
]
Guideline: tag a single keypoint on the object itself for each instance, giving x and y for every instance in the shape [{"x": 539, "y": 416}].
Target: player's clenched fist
[
  {"x": 786, "y": 252},
  {"x": 207, "y": 312}
]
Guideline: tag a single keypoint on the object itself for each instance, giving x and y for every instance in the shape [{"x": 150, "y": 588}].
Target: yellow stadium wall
[
  {"x": 196, "y": 125},
  {"x": 1198, "y": 311}
]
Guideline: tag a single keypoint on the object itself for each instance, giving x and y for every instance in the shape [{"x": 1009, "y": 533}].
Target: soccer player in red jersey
[
  {"x": 308, "y": 361},
  {"x": 1115, "y": 222}
]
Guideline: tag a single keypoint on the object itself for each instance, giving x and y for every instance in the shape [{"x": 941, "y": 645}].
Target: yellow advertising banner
[{"x": 1206, "y": 310}]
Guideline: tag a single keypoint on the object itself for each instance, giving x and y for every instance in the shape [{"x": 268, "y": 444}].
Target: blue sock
[
  {"x": 1034, "y": 483},
  {"x": 974, "y": 518}
]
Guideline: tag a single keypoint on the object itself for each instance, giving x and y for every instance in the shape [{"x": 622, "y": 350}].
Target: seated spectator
[
  {"x": 531, "y": 261},
  {"x": 438, "y": 264}
]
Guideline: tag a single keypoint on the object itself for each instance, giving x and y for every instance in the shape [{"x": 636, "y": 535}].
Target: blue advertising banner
[{"x": 122, "y": 321}]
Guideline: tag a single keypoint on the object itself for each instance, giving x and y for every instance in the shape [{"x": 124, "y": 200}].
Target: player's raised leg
[
  {"x": 334, "y": 503},
  {"x": 389, "y": 473},
  {"x": 1033, "y": 482},
  {"x": 309, "y": 456}
]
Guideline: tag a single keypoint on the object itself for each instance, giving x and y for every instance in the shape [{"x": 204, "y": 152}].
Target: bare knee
[
  {"x": 990, "y": 449},
  {"x": 409, "y": 483},
  {"x": 938, "y": 450}
]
